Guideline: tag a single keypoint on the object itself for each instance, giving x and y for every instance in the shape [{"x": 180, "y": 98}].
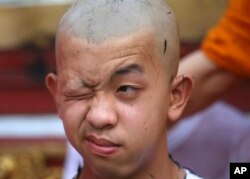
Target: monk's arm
[{"x": 211, "y": 81}]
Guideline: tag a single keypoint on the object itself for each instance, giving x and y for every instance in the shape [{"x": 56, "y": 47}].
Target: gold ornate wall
[
  {"x": 29, "y": 160},
  {"x": 28, "y": 24}
]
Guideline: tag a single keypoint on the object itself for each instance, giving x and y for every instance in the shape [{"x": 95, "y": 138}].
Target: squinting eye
[
  {"x": 126, "y": 88},
  {"x": 127, "y": 92}
]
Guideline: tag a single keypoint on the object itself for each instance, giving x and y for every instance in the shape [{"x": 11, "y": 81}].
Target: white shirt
[{"x": 190, "y": 175}]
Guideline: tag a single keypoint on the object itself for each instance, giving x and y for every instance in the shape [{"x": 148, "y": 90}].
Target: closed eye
[{"x": 78, "y": 96}]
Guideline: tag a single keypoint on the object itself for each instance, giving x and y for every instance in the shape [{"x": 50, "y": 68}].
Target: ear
[
  {"x": 181, "y": 88},
  {"x": 51, "y": 83}
]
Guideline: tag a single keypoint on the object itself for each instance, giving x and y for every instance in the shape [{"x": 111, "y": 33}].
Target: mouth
[{"x": 101, "y": 146}]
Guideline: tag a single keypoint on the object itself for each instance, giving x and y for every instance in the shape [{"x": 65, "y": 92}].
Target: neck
[{"x": 161, "y": 167}]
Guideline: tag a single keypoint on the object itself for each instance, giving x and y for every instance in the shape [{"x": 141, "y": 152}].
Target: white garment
[
  {"x": 190, "y": 175},
  {"x": 207, "y": 142},
  {"x": 73, "y": 160}
]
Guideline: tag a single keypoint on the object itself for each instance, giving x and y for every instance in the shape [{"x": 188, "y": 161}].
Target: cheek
[
  {"x": 148, "y": 116},
  {"x": 143, "y": 131},
  {"x": 72, "y": 115},
  {"x": 142, "y": 120}
]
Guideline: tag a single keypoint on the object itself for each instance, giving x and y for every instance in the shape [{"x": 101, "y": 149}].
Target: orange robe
[{"x": 228, "y": 43}]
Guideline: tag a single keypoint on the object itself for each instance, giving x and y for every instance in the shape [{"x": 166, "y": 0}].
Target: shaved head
[{"x": 100, "y": 20}]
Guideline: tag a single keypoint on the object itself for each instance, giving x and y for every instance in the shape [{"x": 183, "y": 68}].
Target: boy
[{"x": 116, "y": 87}]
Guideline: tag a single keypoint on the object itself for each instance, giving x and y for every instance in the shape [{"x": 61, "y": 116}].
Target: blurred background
[{"x": 32, "y": 140}]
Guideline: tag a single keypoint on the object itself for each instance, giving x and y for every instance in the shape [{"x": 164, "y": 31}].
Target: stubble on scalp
[{"x": 99, "y": 20}]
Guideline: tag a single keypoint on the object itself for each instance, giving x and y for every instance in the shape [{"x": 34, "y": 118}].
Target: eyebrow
[{"x": 132, "y": 68}]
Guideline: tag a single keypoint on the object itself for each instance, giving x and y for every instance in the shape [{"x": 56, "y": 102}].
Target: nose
[{"x": 102, "y": 113}]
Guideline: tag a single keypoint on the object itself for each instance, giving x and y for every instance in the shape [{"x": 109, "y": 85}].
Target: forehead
[
  {"x": 70, "y": 49},
  {"x": 78, "y": 60}
]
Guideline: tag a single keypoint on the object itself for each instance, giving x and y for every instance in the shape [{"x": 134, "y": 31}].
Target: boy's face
[{"x": 113, "y": 99}]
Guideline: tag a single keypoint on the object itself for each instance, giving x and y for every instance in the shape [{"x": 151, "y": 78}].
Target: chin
[
  {"x": 114, "y": 171},
  {"x": 111, "y": 173}
]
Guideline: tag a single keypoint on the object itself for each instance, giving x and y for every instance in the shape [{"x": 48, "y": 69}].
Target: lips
[{"x": 101, "y": 146}]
